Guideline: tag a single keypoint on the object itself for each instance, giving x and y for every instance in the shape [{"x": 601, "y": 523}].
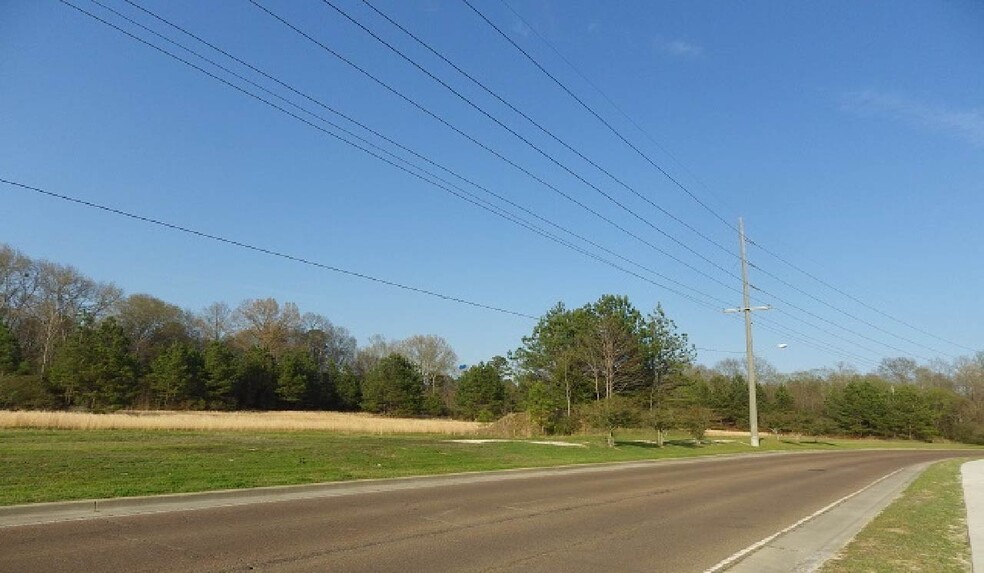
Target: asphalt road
[{"x": 675, "y": 517}]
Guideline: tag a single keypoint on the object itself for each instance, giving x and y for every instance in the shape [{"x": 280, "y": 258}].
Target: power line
[
  {"x": 507, "y": 216},
  {"x": 709, "y": 209},
  {"x": 832, "y": 323},
  {"x": 381, "y": 136},
  {"x": 608, "y": 99},
  {"x": 538, "y": 231},
  {"x": 719, "y": 351},
  {"x": 857, "y": 300},
  {"x": 512, "y": 163},
  {"x": 480, "y": 84},
  {"x": 513, "y": 132},
  {"x": 468, "y": 196},
  {"x": 845, "y": 313},
  {"x": 518, "y": 111},
  {"x": 808, "y": 340},
  {"x": 264, "y": 250},
  {"x": 275, "y": 253},
  {"x": 599, "y": 118}
]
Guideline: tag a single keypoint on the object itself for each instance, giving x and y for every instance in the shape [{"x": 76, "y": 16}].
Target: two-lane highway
[{"x": 666, "y": 516}]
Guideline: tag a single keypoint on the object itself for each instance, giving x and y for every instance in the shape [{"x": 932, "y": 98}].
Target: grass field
[
  {"x": 49, "y": 465},
  {"x": 924, "y": 530}
]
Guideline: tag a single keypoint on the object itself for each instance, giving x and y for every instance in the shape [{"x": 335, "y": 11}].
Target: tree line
[
  {"x": 67, "y": 341},
  {"x": 607, "y": 365}
]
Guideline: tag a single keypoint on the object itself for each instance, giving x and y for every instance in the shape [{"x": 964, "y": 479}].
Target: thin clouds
[
  {"x": 520, "y": 28},
  {"x": 678, "y": 48},
  {"x": 967, "y": 124}
]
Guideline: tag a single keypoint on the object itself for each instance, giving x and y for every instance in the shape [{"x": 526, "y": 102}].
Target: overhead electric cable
[
  {"x": 830, "y": 322},
  {"x": 370, "y": 130},
  {"x": 844, "y": 312},
  {"x": 598, "y": 117},
  {"x": 719, "y": 351},
  {"x": 332, "y": 110},
  {"x": 512, "y": 163},
  {"x": 264, "y": 250},
  {"x": 480, "y": 84},
  {"x": 493, "y": 209},
  {"x": 813, "y": 342},
  {"x": 614, "y": 105},
  {"x": 855, "y": 299},
  {"x": 518, "y": 111},
  {"x": 708, "y": 208},
  {"x": 400, "y": 167}
]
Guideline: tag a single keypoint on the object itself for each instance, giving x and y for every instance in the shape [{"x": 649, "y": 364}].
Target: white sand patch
[
  {"x": 562, "y": 444},
  {"x": 540, "y": 442}
]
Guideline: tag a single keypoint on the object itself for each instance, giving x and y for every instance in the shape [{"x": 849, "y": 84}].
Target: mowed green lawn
[
  {"x": 924, "y": 530},
  {"x": 52, "y": 465}
]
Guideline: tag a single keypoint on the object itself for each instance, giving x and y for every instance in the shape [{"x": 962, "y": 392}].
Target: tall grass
[{"x": 235, "y": 421}]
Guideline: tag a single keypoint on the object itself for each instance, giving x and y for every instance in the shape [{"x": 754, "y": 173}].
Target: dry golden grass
[{"x": 235, "y": 421}]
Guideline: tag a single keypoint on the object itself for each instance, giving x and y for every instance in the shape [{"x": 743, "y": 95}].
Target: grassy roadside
[
  {"x": 924, "y": 530},
  {"x": 53, "y": 465}
]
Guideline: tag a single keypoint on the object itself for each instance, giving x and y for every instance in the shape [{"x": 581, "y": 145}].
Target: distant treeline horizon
[{"x": 70, "y": 342}]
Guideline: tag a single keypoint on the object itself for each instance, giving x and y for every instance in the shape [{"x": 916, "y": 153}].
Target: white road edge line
[{"x": 759, "y": 544}]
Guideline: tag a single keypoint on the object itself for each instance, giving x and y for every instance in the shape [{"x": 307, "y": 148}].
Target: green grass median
[
  {"x": 924, "y": 530},
  {"x": 54, "y": 465}
]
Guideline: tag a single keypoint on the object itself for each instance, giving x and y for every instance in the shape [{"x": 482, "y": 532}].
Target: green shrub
[{"x": 25, "y": 392}]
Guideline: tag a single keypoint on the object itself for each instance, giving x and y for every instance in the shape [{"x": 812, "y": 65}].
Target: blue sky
[{"x": 850, "y": 136}]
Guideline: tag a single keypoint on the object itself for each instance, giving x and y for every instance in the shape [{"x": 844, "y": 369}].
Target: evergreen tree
[
  {"x": 782, "y": 401},
  {"x": 176, "y": 376},
  {"x": 859, "y": 408},
  {"x": 481, "y": 393},
  {"x": 346, "y": 388},
  {"x": 668, "y": 353},
  {"x": 10, "y": 351},
  {"x": 910, "y": 413},
  {"x": 95, "y": 369},
  {"x": 256, "y": 380},
  {"x": 220, "y": 373},
  {"x": 541, "y": 404},
  {"x": 298, "y": 379},
  {"x": 393, "y": 386}
]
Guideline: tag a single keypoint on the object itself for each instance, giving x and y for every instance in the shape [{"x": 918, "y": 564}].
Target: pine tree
[
  {"x": 393, "y": 386},
  {"x": 10, "y": 351}
]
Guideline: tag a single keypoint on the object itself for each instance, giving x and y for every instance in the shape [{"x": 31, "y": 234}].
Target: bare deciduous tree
[
  {"x": 264, "y": 323},
  {"x": 327, "y": 342},
  {"x": 215, "y": 321},
  {"x": 65, "y": 298},
  {"x": 432, "y": 355},
  {"x": 150, "y": 323}
]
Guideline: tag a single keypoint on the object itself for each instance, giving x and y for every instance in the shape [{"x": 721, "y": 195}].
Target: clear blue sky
[{"x": 850, "y": 136}]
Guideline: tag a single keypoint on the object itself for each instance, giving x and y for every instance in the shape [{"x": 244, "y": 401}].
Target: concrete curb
[
  {"x": 972, "y": 476},
  {"x": 805, "y": 548}
]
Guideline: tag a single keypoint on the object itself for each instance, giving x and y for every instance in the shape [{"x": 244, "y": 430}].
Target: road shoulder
[{"x": 806, "y": 546}]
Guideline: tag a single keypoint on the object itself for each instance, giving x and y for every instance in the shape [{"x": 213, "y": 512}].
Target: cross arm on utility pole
[{"x": 746, "y": 309}]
